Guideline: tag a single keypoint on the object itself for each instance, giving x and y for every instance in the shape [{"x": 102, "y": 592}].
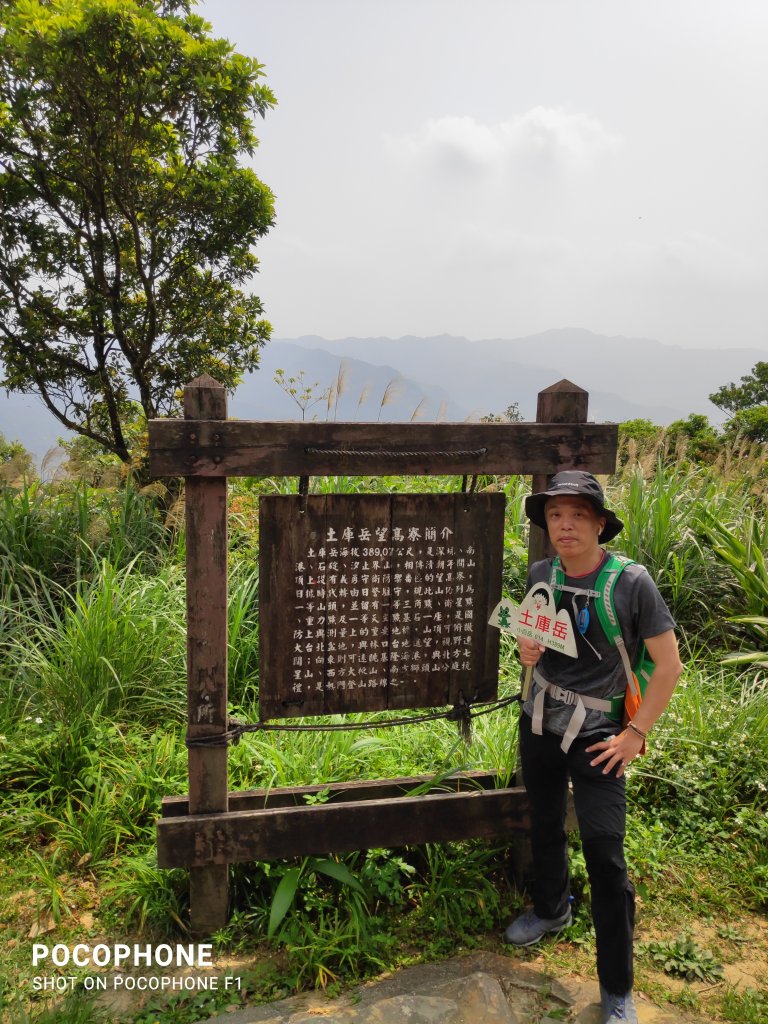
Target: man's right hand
[{"x": 530, "y": 651}]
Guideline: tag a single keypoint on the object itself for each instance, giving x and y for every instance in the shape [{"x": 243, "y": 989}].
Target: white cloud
[{"x": 543, "y": 137}]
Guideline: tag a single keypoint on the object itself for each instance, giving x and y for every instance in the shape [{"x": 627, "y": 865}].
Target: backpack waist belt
[{"x": 580, "y": 704}]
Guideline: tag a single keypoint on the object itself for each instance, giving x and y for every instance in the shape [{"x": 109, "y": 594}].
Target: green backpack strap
[
  {"x": 607, "y": 578},
  {"x": 612, "y": 568}
]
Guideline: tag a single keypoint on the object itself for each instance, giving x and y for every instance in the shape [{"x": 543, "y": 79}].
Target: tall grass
[
  {"x": 709, "y": 755},
  {"x": 63, "y": 533},
  {"x": 243, "y": 636},
  {"x": 114, "y": 649},
  {"x": 662, "y": 516},
  {"x": 742, "y": 546}
]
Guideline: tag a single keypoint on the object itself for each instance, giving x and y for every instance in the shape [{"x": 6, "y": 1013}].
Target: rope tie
[{"x": 461, "y": 713}]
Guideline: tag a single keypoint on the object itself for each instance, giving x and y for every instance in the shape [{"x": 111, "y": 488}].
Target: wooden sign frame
[{"x": 212, "y": 828}]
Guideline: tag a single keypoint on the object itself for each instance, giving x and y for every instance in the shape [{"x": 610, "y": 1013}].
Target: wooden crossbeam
[
  {"x": 211, "y": 448},
  {"x": 338, "y": 792},
  {"x": 337, "y": 827}
]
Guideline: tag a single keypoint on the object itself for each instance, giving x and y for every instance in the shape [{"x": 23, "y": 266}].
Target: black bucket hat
[{"x": 576, "y": 483}]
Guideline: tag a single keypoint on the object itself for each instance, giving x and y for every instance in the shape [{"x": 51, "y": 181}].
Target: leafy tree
[
  {"x": 746, "y": 403},
  {"x": 15, "y": 461},
  {"x": 644, "y": 433},
  {"x": 702, "y": 442},
  {"x": 128, "y": 221},
  {"x": 637, "y": 437},
  {"x": 86, "y": 460}
]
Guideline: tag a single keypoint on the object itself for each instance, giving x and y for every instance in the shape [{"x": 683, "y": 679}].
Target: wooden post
[
  {"x": 563, "y": 402},
  {"x": 206, "y": 519}
]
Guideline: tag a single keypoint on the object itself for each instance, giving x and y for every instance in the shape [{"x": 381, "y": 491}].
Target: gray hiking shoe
[
  {"x": 530, "y": 928},
  {"x": 615, "y": 1008}
]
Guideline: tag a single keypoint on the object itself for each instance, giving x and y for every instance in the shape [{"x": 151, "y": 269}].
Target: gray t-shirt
[{"x": 598, "y": 670}]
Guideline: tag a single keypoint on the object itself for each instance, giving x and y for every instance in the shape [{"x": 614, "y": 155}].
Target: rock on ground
[{"x": 481, "y": 988}]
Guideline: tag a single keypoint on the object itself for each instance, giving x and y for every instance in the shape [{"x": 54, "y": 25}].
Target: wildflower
[{"x": 38, "y": 721}]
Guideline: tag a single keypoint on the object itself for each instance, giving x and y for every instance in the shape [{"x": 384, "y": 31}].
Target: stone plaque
[{"x": 375, "y": 602}]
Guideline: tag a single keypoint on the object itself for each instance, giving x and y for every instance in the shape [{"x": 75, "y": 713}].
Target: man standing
[{"x": 566, "y": 732}]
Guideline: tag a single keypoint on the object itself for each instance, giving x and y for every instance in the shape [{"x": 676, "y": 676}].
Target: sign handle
[{"x": 527, "y": 681}]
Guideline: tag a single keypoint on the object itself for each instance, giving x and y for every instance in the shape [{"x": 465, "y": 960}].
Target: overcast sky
[{"x": 495, "y": 168}]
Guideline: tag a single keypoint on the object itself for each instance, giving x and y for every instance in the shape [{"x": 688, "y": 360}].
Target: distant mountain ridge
[
  {"x": 452, "y": 379},
  {"x": 621, "y": 374}
]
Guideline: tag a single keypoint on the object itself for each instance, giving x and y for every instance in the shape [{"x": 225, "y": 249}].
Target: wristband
[{"x": 633, "y": 727}]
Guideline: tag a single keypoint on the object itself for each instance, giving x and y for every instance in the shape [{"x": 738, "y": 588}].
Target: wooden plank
[
  {"x": 336, "y": 828},
  {"x": 251, "y": 448},
  {"x": 337, "y": 792},
  {"x": 206, "y": 545}
]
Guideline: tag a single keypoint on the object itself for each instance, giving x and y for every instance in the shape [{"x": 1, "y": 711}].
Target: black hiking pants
[{"x": 600, "y": 804}]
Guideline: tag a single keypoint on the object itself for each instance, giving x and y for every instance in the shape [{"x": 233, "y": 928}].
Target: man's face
[{"x": 573, "y": 525}]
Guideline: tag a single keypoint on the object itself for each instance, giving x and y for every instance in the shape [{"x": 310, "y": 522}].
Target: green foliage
[
  {"x": 288, "y": 886},
  {"x": 385, "y": 875},
  {"x": 743, "y": 547},
  {"x": 128, "y": 220},
  {"x": 243, "y": 636},
  {"x": 683, "y": 957},
  {"x": 148, "y": 898},
  {"x": 51, "y": 539},
  {"x": 76, "y": 1008},
  {"x": 752, "y": 423},
  {"x": 458, "y": 891},
  {"x": 16, "y": 463},
  {"x": 745, "y": 1006},
  {"x": 659, "y": 515},
  {"x": 116, "y": 649},
  {"x": 190, "y": 1008},
  {"x": 752, "y": 391},
  {"x": 89, "y": 789},
  {"x": 89, "y": 463},
  {"x": 637, "y": 438},
  {"x": 694, "y": 436},
  {"x": 704, "y": 773},
  {"x": 747, "y": 403}
]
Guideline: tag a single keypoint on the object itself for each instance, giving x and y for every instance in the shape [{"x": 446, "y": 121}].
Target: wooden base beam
[{"x": 340, "y": 826}]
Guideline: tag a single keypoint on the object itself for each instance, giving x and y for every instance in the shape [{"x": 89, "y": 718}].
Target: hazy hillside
[
  {"x": 451, "y": 378},
  {"x": 666, "y": 381}
]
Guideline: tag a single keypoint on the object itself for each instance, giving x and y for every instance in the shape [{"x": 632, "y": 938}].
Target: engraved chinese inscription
[{"x": 377, "y": 601}]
